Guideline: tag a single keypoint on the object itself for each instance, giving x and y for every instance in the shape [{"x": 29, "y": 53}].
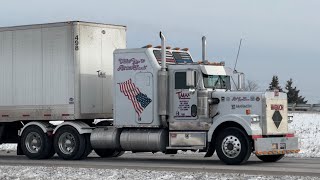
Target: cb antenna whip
[{"x": 234, "y": 69}]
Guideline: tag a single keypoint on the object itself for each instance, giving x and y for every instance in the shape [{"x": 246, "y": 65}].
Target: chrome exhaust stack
[
  {"x": 163, "y": 52},
  {"x": 204, "y": 49},
  {"x": 163, "y": 92}
]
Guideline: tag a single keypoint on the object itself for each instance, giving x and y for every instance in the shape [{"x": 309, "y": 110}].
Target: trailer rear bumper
[{"x": 276, "y": 145}]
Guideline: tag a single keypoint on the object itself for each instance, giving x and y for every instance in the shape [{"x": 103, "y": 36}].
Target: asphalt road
[{"x": 180, "y": 162}]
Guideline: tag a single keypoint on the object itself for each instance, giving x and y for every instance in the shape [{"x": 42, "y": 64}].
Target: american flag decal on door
[{"x": 139, "y": 100}]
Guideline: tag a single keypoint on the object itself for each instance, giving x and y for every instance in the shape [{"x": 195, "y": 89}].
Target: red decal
[
  {"x": 277, "y": 107},
  {"x": 182, "y": 95}
]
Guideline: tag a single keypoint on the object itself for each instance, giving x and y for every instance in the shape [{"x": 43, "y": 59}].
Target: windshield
[{"x": 216, "y": 81}]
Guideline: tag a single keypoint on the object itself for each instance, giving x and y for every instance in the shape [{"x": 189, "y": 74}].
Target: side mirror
[{"x": 190, "y": 78}]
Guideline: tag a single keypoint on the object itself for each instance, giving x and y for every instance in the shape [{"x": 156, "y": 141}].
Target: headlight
[
  {"x": 290, "y": 119},
  {"x": 255, "y": 118}
]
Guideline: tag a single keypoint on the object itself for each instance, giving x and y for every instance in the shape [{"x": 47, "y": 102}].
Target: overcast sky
[{"x": 280, "y": 37}]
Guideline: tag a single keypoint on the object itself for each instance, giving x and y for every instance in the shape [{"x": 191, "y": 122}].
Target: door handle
[{"x": 101, "y": 74}]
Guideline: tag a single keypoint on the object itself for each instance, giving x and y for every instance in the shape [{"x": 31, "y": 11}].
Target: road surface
[{"x": 180, "y": 162}]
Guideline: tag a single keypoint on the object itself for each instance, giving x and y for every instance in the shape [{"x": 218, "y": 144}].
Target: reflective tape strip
[
  {"x": 274, "y": 152},
  {"x": 256, "y": 136}
]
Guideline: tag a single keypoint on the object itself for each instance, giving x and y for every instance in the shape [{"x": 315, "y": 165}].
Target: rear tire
[
  {"x": 36, "y": 144},
  {"x": 105, "y": 153},
  {"x": 69, "y": 144},
  {"x": 233, "y": 146},
  {"x": 270, "y": 158}
]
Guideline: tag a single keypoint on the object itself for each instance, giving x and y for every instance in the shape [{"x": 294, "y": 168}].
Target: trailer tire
[
  {"x": 270, "y": 158},
  {"x": 36, "y": 144},
  {"x": 233, "y": 146},
  {"x": 105, "y": 153},
  {"x": 52, "y": 153},
  {"x": 88, "y": 149},
  {"x": 69, "y": 144}
]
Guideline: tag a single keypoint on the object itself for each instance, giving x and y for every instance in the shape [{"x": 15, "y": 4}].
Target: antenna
[{"x": 234, "y": 69}]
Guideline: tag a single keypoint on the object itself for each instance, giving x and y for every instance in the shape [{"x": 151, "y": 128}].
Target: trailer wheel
[
  {"x": 271, "y": 158},
  {"x": 233, "y": 146},
  {"x": 88, "y": 149},
  {"x": 105, "y": 153},
  {"x": 69, "y": 144},
  {"x": 36, "y": 144}
]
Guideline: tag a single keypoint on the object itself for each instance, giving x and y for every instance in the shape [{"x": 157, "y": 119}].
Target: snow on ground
[
  {"x": 8, "y": 147},
  {"x": 307, "y": 126},
  {"x": 27, "y": 172}
]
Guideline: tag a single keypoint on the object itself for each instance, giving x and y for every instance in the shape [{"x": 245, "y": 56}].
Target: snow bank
[
  {"x": 8, "y": 147},
  {"x": 307, "y": 126},
  {"x": 54, "y": 173}
]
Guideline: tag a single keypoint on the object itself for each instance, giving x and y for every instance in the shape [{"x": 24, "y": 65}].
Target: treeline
[{"x": 292, "y": 91}]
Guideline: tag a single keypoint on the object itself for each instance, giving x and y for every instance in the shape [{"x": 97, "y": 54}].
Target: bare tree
[{"x": 251, "y": 86}]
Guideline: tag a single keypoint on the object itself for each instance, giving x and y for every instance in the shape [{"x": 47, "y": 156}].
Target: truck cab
[{"x": 197, "y": 107}]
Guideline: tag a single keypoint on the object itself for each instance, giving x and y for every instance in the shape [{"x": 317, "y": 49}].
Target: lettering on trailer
[
  {"x": 277, "y": 107},
  {"x": 132, "y": 64},
  {"x": 240, "y": 106},
  {"x": 184, "y": 108},
  {"x": 139, "y": 100}
]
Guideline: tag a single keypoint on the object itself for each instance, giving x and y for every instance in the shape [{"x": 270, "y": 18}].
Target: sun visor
[{"x": 213, "y": 70}]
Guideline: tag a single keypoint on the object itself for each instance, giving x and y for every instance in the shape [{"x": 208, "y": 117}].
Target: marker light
[
  {"x": 248, "y": 111},
  {"x": 158, "y": 47},
  {"x": 176, "y": 48},
  {"x": 147, "y": 46},
  {"x": 255, "y": 118},
  {"x": 185, "y": 49}
]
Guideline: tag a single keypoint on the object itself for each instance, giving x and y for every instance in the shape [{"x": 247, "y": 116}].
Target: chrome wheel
[
  {"x": 67, "y": 143},
  {"x": 231, "y": 146},
  {"x": 33, "y": 142}
]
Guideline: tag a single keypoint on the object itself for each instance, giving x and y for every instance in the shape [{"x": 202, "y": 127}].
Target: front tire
[
  {"x": 69, "y": 144},
  {"x": 233, "y": 146},
  {"x": 36, "y": 144},
  {"x": 270, "y": 158}
]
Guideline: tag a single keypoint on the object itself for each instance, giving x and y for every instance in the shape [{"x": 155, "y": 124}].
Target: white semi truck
[{"x": 150, "y": 99}]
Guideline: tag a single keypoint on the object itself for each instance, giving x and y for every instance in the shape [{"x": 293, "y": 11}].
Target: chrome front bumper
[{"x": 276, "y": 145}]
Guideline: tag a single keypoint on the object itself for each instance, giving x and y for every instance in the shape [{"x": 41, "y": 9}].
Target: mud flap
[
  {"x": 210, "y": 150},
  {"x": 19, "y": 149}
]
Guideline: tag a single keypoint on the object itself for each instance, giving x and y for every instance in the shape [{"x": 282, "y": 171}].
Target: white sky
[{"x": 280, "y": 37}]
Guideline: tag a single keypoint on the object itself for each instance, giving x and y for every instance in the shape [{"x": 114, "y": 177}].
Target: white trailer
[
  {"x": 59, "y": 71},
  {"x": 159, "y": 98}
]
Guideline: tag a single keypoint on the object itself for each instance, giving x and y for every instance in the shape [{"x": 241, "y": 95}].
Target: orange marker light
[
  {"x": 248, "y": 111},
  {"x": 147, "y": 46}
]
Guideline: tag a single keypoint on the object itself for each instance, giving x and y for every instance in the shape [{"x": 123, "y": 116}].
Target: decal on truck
[
  {"x": 184, "y": 107},
  {"x": 132, "y": 64},
  {"x": 139, "y": 100}
]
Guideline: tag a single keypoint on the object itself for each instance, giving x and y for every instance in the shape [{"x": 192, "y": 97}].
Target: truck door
[{"x": 184, "y": 98}]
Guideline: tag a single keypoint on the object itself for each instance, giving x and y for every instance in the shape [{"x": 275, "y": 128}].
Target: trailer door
[{"x": 90, "y": 63}]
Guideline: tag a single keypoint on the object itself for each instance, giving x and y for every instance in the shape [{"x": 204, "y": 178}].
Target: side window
[{"x": 180, "y": 79}]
